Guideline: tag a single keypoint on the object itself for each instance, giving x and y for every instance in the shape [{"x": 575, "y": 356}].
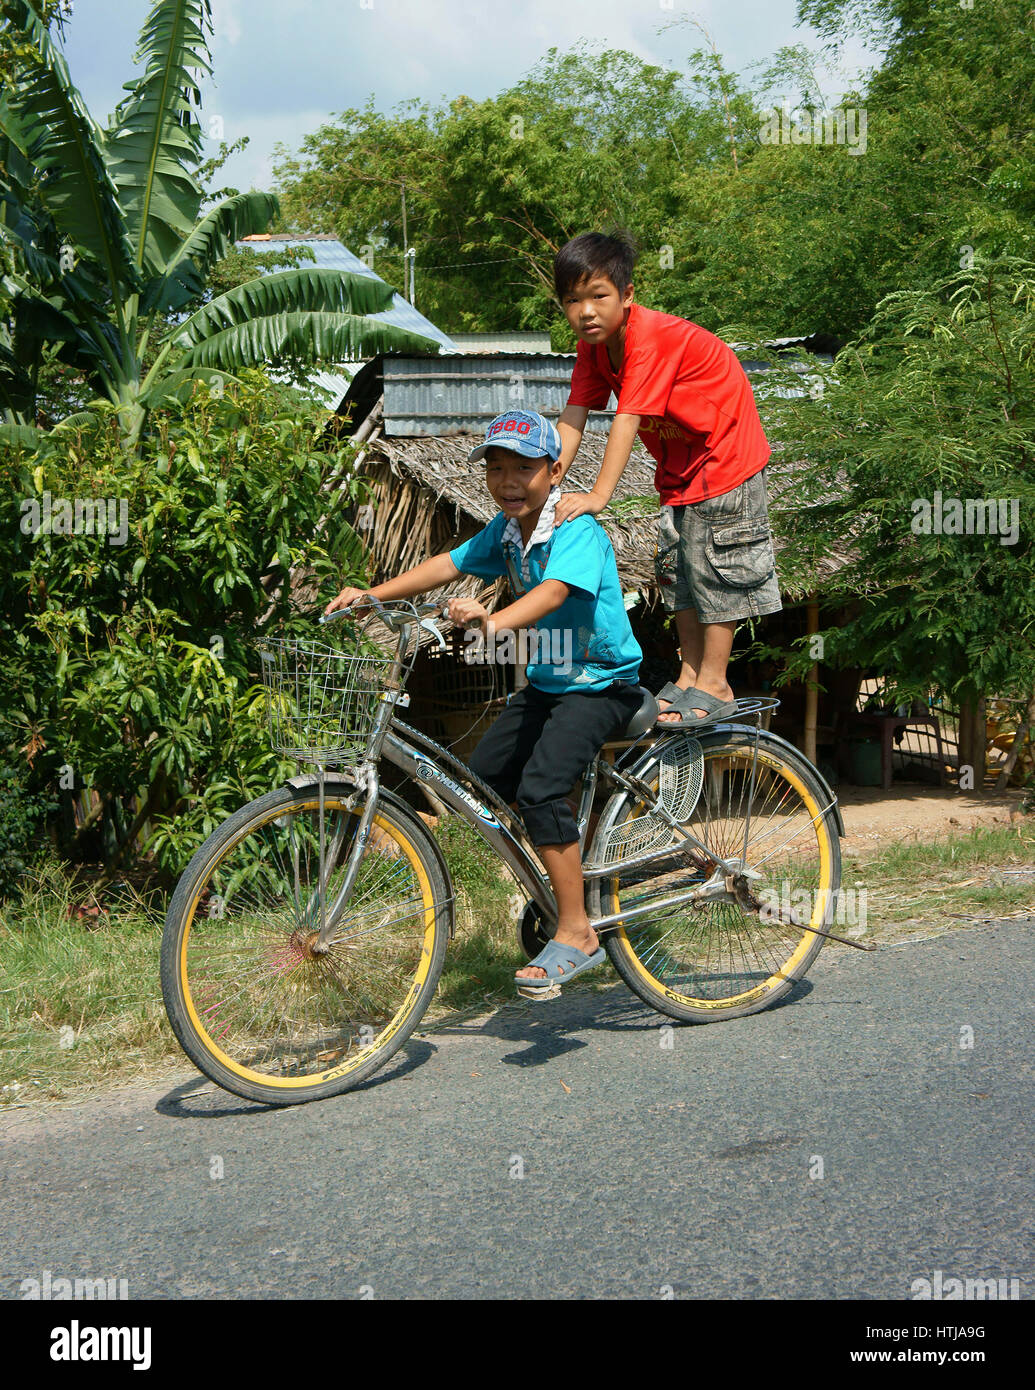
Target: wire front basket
[{"x": 321, "y": 701}]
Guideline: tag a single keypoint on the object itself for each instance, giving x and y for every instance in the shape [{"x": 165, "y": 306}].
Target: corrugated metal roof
[
  {"x": 332, "y": 386},
  {"x": 332, "y": 254},
  {"x": 502, "y": 342},
  {"x": 454, "y": 395}
]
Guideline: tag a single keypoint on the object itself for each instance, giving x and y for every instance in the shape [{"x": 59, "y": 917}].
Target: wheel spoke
[
  {"x": 261, "y": 998},
  {"x": 756, "y": 811}
]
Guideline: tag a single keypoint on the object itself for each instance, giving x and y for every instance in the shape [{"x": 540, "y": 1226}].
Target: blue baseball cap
[{"x": 524, "y": 432}]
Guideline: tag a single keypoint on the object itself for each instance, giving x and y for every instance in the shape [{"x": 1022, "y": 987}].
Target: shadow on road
[
  {"x": 537, "y": 1032},
  {"x": 202, "y": 1099},
  {"x": 547, "y": 1028}
]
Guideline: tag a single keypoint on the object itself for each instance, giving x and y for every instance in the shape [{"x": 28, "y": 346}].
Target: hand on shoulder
[{"x": 573, "y": 504}]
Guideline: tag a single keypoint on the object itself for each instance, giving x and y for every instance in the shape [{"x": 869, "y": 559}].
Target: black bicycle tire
[
  {"x": 532, "y": 935},
  {"x": 180, "y": 915},
  {"x": 617, "y": 943}
]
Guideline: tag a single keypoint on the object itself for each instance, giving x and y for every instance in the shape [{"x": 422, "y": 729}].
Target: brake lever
[{"x": 428, "y": 624}]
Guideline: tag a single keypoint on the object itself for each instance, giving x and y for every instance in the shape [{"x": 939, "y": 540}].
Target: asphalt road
[{"x": 842, "y": 1145}]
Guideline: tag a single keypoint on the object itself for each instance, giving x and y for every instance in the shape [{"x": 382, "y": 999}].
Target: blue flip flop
[{"x": 561, "y": 963}]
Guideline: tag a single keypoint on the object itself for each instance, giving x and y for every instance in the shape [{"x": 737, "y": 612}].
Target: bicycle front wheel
[
  {"x": 720, "y": 960},
  {"x": 250, "y": 1001}
]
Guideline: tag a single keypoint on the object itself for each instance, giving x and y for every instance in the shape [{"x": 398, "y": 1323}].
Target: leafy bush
[
  {"x": 21, "y": 814},
  {"x": 128, "y": 656}
]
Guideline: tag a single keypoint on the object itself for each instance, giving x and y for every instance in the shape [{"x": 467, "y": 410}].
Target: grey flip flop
[
  {"x": 561, "y": 963},
  {"x": 681, "y": 700}
]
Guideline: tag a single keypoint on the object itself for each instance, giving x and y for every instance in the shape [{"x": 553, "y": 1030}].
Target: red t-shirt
[{"x": 699, "y": 419}]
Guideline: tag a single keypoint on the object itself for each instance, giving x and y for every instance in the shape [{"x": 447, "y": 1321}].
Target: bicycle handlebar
[{"x": 397, "y": 615}]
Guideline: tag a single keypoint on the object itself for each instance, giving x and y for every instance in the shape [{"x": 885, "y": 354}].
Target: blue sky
[{"x": 282, "y": 67}]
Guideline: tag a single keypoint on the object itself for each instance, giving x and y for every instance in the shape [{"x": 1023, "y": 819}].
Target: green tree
[
  {"x": 494, "y": 188},
  {"x": 811, "y": 236},
  {"x": 103, "y": 244},
  {"x": 919, "y": 473},
  {"x": 786, "y": 237}
]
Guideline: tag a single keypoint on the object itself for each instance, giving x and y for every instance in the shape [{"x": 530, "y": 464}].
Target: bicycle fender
[
  {"x": 651, "y": 753},
  {"x": 310, "y": 779}
]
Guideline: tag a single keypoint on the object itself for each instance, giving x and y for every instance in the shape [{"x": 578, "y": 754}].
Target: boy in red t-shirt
[{"x": 682, "y": 390}]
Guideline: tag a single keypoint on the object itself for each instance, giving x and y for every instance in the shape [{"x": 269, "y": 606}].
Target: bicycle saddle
[{"x": 643, "y": 719}]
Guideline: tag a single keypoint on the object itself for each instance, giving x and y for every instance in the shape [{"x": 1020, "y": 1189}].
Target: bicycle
[{"x": 305, "y": 939}]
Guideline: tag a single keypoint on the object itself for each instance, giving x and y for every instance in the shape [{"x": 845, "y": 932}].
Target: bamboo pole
[{"x": 811, "y": 685}]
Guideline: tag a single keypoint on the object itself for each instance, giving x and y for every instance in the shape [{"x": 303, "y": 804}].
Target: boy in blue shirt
[{"x": 582, "y": 683}]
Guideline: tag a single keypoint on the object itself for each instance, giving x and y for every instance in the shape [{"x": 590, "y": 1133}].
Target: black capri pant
[{"x": 540, "y": 746}]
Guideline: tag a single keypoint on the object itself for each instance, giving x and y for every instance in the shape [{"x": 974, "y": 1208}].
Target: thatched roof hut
[{"x": 427, "y": 498}]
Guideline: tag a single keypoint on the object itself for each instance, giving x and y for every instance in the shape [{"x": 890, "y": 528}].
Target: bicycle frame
[
  {"x": 423, "y": 760},
  {"x": 493, "y": 821},
  {"x": 496, "y": 825}
]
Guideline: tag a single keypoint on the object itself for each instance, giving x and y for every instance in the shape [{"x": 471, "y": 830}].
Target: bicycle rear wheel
[
  {"x": 719, "y": 960},
  {"x": 252, "y": 1005}
]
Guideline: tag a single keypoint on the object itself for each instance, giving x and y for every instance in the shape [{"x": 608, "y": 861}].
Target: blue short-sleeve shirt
[{"x": 587, "y": 643}]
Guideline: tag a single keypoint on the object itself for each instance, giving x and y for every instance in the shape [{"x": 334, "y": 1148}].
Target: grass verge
[
  {"x": 80, "y": 1002},
  {"x": 81, "y": 1006},
  {"x": 484, "y": 954},
  {"x": 917, "y": 889}
]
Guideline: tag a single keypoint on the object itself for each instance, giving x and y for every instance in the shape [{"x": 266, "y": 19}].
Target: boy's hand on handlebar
[
  {"x": 350, "y": 598},
  {"x": 573, "y": 504},
  {"x": 467, "y": 612}
]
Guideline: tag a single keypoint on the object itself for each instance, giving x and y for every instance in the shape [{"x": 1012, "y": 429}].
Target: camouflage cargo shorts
[{"x": 717, "y": 556}]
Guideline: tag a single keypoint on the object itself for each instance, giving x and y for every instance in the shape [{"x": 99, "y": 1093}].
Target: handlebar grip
[{"x": 350, "y": 611}]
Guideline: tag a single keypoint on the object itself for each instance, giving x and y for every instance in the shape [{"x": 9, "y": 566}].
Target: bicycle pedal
[{"x": 552, "y": 992}]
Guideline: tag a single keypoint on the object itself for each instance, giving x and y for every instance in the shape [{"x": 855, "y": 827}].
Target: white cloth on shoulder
[{"x": 543, "y": 532}]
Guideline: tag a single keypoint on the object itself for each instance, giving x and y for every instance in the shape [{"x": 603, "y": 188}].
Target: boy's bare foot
[
  {"x": 721, "y": 690},
  {"x": 583, "y": 938}
]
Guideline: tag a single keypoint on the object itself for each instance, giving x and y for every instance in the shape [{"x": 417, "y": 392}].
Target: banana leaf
[
  {"x": 186, "y": 274},
  {"x": 302, "y": 337},
  {"x": 155, "y": 137},
  {"x": 307, "y": 288},
  {"x": 44, "y": 116}
]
